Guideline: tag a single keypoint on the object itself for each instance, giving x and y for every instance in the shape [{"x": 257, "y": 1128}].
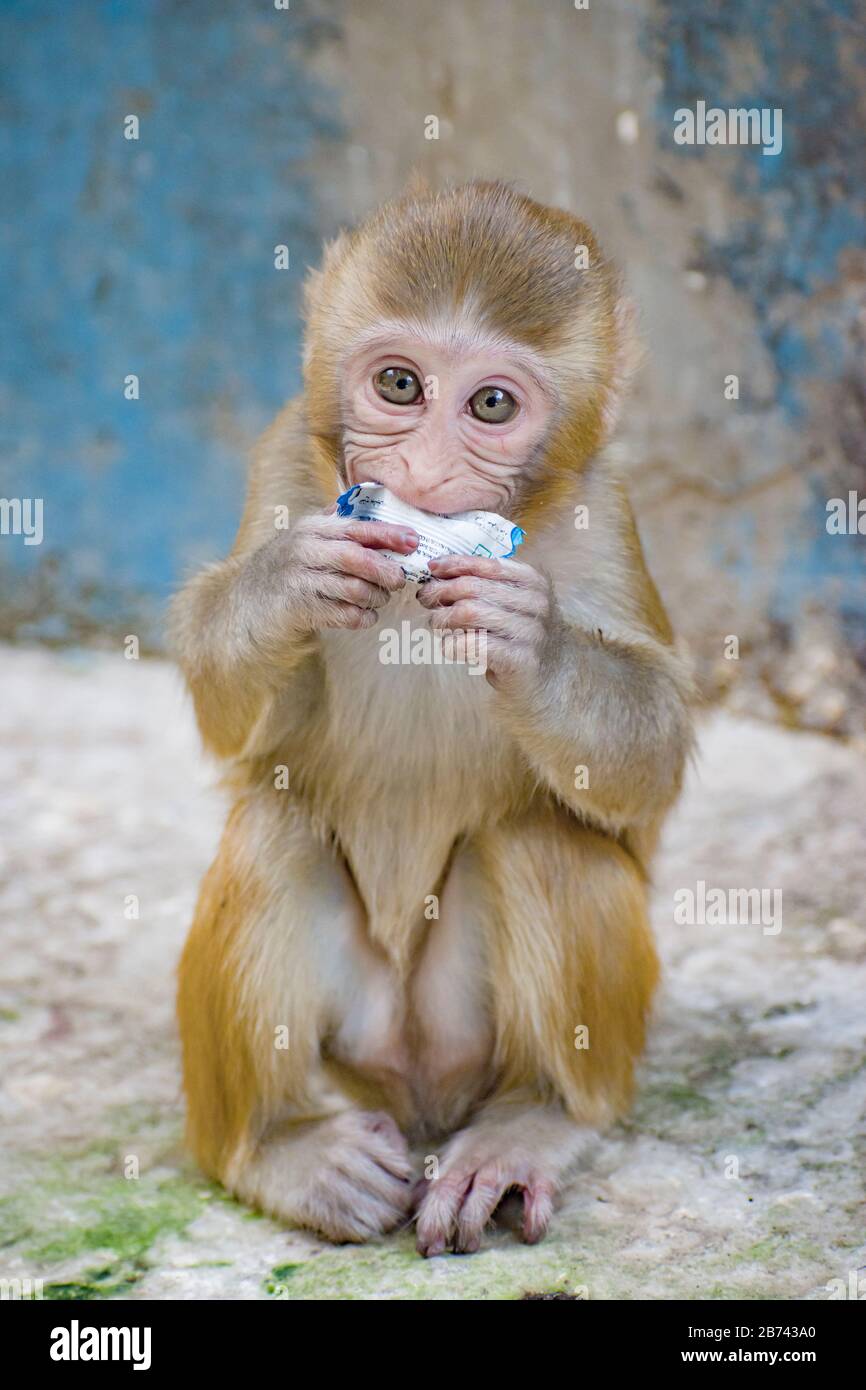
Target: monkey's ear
[{"x": 628, "y": 354}]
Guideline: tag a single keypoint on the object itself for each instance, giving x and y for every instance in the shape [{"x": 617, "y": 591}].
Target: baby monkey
[{"x": 427, "y": 919}]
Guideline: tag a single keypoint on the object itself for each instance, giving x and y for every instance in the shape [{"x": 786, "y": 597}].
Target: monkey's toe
[{"x": 456, "y": 1209}]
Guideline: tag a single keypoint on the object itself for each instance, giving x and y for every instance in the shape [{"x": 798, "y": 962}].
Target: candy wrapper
[{"x": 464, "y": 533}]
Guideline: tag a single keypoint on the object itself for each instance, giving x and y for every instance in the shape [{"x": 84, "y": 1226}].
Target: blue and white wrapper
[{"x": 464, "y": 533}]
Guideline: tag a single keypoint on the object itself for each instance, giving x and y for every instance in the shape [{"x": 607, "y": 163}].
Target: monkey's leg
[
  {"x": 274, "y": 954},
  {"x": 572, "y": 969}
]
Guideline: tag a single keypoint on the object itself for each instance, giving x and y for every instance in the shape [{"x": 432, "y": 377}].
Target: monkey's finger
[
  {"x": 335, "y": 613},
  {"x": 473, "y": 613},
  {"x": 438, "y": 593},
  {"x": 507, "y": 571},
  {"x": 346, "y": 557},
  {"x": 356, "y": 591},
  {"x": 381, "y": 535}
]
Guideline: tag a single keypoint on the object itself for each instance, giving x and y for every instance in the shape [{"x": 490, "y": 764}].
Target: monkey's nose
[{"x": 414, "y": 492}]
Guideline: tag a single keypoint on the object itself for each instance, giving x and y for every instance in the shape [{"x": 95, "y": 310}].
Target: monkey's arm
[
  {"x": 604, "y": 723},
  {"x": 246, "y": 631},
  {"x": 588, "y": 682},
  {"x": 612, "y": 695},
  {"x": 232, "y": 675},
  {"x": 233, "y": 680}
]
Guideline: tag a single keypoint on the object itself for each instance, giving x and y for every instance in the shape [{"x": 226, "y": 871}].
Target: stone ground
[{"x": 757, "y": 1064}]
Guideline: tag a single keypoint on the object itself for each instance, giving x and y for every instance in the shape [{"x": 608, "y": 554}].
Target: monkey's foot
[
  {"x": 346, "y": 1177},
  {"x": 476, "y": 1174}
]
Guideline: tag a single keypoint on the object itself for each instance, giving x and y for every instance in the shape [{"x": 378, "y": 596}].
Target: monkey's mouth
[{"x": 463, "y": 533}]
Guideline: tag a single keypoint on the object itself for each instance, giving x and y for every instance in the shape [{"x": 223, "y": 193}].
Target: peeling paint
[
  {"x": 801, "y": 210},
  {"x": 153, "y": 257}
]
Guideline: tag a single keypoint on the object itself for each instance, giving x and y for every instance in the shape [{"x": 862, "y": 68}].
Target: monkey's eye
[
  {"x": 493, "y": 405},
  {"x": 398, "y": 385}
]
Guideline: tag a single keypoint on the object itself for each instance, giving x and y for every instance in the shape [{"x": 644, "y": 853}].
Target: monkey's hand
[
  {"x": 603, "y": 720},
  {"x": 511, "y": 603},
  {"x": 241, "y": 627},
  {"x": 324, "y": 573}
]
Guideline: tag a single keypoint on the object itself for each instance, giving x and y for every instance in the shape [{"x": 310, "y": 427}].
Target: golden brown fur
[{"x": 405, "y": 780}]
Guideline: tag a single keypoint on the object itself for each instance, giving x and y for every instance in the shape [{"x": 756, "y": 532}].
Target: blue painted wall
[
  {"x": 811, "y": 66},
  {"x": 152, "y": 257},
  {"x": 815, "y": 183},
  {"x": 155, "y": 256}
]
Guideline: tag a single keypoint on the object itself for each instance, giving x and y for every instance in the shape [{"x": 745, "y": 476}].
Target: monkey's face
[
  {"x": 447, "y": 421},
  {"x": 466, "y": 350}
]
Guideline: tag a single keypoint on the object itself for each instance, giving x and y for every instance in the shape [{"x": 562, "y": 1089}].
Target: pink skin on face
[{"x": 433, "y": 453}]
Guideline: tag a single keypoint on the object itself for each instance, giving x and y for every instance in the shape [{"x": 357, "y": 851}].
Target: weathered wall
[{"x": 261, "y": 126}]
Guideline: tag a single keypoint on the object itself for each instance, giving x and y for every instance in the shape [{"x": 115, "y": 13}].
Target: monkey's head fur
[{"x": 478, "y": 263}]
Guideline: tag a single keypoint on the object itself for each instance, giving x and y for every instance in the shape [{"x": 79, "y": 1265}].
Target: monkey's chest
[
  {"x": 413, "y": 760},
  {"x": 416, "y": 762},
  {"x": 408, "y": 715}
]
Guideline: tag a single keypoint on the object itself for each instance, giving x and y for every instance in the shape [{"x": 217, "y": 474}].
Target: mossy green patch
[
  {"x": 662, "y": 1103},
  {"x": 122, "y": 1216},
  {"x": 275, "y": 1283},
  {"x": 393, "y": 1270},
  {"x": 103, "y": 1283},
  {"x": 73, "y": 1205},
  {"x": 779, "y": 1248}
]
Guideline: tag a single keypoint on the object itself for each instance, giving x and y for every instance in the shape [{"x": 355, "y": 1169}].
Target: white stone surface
[{"x": 757, "y": 1052}]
